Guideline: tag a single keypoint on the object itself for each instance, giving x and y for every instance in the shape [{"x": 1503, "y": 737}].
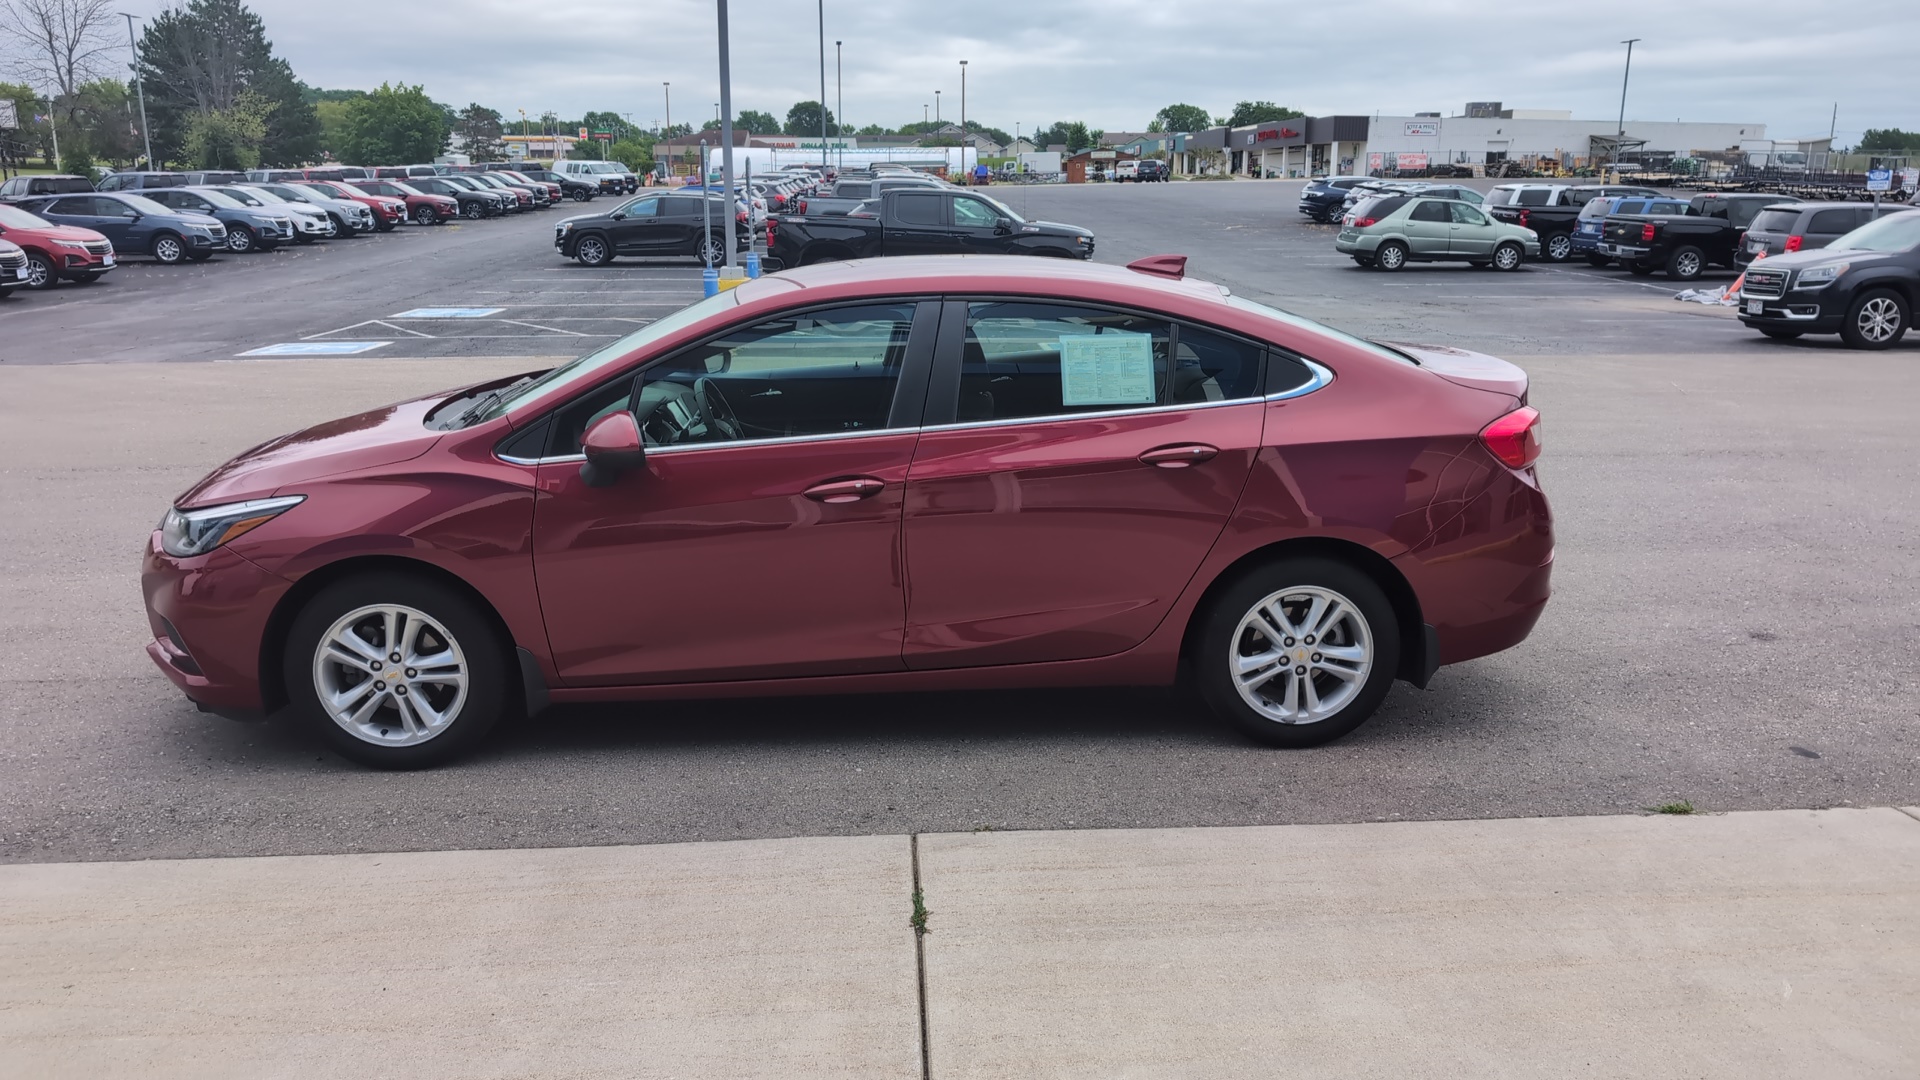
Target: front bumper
[
  {"x": 1805, "y": 311},
  {"x": 209, "y": 617}
]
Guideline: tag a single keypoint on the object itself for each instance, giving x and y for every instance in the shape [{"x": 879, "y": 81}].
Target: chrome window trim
[
  {"x": 1322, "y": 376},
  {"x": 778, "y": 440}
]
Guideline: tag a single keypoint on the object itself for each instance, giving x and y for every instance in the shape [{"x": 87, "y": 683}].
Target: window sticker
[{"x": 1112, "y": 368}]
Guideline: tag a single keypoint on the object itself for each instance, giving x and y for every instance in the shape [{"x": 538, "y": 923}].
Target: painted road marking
[
  {"x": 316, "y": 348},
  {"x": 448, "y": 313}
]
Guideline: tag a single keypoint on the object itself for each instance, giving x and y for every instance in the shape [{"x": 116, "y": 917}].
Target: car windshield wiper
[{"x": 487, "y": 401}]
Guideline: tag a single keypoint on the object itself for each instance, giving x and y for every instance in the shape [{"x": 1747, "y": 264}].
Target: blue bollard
[
  {"x": 753, "y": 264},
  {"x": 710, "y": 281}
]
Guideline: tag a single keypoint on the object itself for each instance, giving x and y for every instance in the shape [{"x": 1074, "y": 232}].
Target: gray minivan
[
  {"x": 141, "y": 181},
  {"x": 1777, "y": 230}
]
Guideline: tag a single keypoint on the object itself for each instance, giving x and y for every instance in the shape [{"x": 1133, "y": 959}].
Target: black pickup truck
[
  {"x": 1551, "y": 210},
  {"x": 912, "y": 221},
  {"x": 1684, "y": 246},
  {"x": 849, "y": 194}
]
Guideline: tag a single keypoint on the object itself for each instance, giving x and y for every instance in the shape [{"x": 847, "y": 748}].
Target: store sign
[
  {"x": 1410, "y": 161},
  {"x": 1276, "y": 133},
  {"x": 1879, "y": 179},
  {"x": 1423, "y": 127},
  {"x": 583, "y": 133},
  {"x": 1376, "y": 162}
]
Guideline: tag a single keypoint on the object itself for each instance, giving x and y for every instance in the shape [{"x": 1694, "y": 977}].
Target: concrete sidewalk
[{"x": 1774, "y": 944}]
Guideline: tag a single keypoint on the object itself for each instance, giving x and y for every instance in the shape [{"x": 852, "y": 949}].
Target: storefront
[{"x": 1307, "y": 146}]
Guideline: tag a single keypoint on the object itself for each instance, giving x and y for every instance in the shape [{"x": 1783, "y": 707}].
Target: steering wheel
[{"x": 719, "y": 413}]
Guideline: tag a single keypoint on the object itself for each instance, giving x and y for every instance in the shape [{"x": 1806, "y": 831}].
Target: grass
[
  {"x": 920, "y": 913},
  {"x": 1681, "y": 807}
]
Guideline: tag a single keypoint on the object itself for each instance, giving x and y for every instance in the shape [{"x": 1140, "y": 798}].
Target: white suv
[{"x": 612, "y": 176}]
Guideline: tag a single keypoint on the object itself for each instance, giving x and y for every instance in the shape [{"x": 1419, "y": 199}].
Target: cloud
[{"x": 1114, "y": 63}]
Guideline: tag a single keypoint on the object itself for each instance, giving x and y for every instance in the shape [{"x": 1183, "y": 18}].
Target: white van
[{"x": 612, "y": 176}]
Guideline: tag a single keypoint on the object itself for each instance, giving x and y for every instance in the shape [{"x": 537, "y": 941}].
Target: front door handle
[
  {"x": 1182, "y": 456},
  {"x": 845, "y": 491}
]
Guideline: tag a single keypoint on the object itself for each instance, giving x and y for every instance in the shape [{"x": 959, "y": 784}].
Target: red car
[
  {"x": 387, "y": 211},
  {"x": 919, "y": 474},
  {"x": 554, "y": 194},
  {"x": 55, "y": 251},
  {"x": 422, "y": 207}
]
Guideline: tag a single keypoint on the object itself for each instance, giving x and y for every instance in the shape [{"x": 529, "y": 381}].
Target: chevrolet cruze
[{"x": 912, "y": 475}]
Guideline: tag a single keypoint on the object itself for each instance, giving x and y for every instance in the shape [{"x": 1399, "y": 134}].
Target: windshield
[
  {"x": 1899, "y": 232},
  {"x": 646, "y": 335},
  {"x": 146, "y": 205},
  {"x": 1291, "y": 319},
  {"x": 294, "y": 194},
  {"x": 219, "y": 198},
  {"x": 255, "y": 197},
  {"x": 405, "y": 189},
  {"x": 15, "y": 218}
]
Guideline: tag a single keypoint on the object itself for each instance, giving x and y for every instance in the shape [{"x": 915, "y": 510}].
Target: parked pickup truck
[
  {"x": 849, "y": 194},
  {"x": 1551, "y": 210},
  {"x": 1684, "y": 245},
  {"x": 915, "y": 221},
  {"x": 1593, "y": 217}
]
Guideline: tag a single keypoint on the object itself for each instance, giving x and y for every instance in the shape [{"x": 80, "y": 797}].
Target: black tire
[
  {"x": 711, "y": 252},
  {"x": 1686, "y": 263},
  {"x": 486, "y": 661},
  {"x": 472, "y": 211},
  {"x": 199, "y": 256},
  {"x": 1877, "y": 319},
  {"x": 426, "y": 215},
  {"x": 1782, "y": 335},
  {"x": 241, "y": 240},
  {"x": 1596, "y": 259},
  {"x": 168, "y": 248},
  {"x": 593, "y": 250},
  {"x": 581, "y": 195},
  {"x": 1639, "y": 270},
  {"x": 383, "y": 225},
  {"x": 1556, "y": 247},
  {"x": 6, "y": 292},
  {"x": 1224, "y": 638},
  {"x": 87, "y": 278},
  {"x": 40, "y": 272},
  {"x": 1391, "y": 255},
  {"x": 341, "y": 228},
  {"x": 1508, "y": 256}
]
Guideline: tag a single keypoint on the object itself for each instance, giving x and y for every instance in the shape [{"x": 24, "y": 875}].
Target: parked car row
[{"x": 690, "y": 220}]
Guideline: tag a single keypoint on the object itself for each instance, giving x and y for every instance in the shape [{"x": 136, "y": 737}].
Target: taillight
[
  {"x": 1524, "y": 217},
  {"x": 1794, "y": 242},
  {"x": 1515, "y": 437},
  {"x": 1646, "y": 231},
  {"x": 803, "y": 208},
  {"x": 1361, "y": 223}
]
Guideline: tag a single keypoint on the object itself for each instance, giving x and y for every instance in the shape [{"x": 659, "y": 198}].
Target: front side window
[
  {"x": 112, "y": 183},
  {"x": 1832, "y": 221},
  {"x": 643, "y": 208},
  {"x": 974, "y": 214},
  {"x": 818, "y": 373}
]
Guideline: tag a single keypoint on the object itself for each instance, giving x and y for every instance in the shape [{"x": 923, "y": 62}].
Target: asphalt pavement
[{"x": 1736, "y": 617}]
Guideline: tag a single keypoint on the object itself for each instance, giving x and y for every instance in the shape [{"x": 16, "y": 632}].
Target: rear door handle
[
  {"x": 845, "y": 491},
  {"x": 1182, "y": 456}
]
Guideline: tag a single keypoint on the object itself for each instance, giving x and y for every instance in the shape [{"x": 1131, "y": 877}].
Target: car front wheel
[
  {"x": 426, "y": 215},
  {"x": 1875, "y": 320},
  {"x": 593, "y": 251},
  {"x": 240, "y": 239},
  {"x": 1508, "y": 257},
  {"x": 40, "y": 273},
  {"x": 1298, "y": 652},
  {"x": 473, "y": 211},
  {"x": 396, "y": 672},
  {"x": 168, "y": 249}
]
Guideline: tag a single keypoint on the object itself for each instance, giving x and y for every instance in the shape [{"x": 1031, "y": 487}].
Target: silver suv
[{"x": 349, "y": 218}]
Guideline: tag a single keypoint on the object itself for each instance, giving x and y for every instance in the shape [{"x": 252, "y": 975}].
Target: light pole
[
  {"x": 1621, "y": 135},
  {"x": 936, "y": 106},
  {"x": 823, "y": 86},
  {"x": 923, "y": 112},
  {"x": 839, "y": 107},
  {"x": 666, "y": 132},
  {"x": 140, "y": 84},
  {"x": 964, "y": 175},
  {"x": 726, "y": 146}
]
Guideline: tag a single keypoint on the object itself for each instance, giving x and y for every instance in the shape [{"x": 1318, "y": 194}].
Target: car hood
[
  {"x": 61, "y": 232},
  {"x": 383, "y": 436},
  {"x": 1472, "y": 369},
  {"x": 1826, "y": 256},
  {"x": 1051, "y": 228}
]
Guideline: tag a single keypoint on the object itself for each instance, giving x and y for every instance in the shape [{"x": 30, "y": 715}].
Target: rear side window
[
  {"x": 1780, "y": 221},
  {"x": 1500, "y": 197},
  {"x": 1832, "y": 222},
  {"x": 1533, "y": 197},
  {"x": 917, "y": 209},
  {"x": 1430, "y": 210},
  {"x": 1031, "y": 360},
  {"x": 1381, "y": 207}
]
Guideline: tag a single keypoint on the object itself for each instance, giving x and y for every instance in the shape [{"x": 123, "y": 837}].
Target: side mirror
[
  {"x": 618, "y": 215},
  {"x": 1002, "y": 227},
  {"x": 613, "y": 447}
]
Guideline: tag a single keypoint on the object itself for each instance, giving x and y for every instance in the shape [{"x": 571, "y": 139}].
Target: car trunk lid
[{"x": 1471, "y": 369}]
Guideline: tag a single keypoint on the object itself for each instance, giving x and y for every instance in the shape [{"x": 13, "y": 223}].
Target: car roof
[{"x": 908, "y": 274}]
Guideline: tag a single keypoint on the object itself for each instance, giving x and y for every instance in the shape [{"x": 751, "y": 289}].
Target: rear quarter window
[
  {"x": 1832, "y": 222},
  {"x": 1534, "y": 197}
]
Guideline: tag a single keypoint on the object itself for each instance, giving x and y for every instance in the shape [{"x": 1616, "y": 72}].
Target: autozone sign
[
  {"x": 1423, "y": 127},
  {"x": 1277, "y": 133}
]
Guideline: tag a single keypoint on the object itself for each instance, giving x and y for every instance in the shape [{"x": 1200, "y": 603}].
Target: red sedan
[
  {"x": 54, "y": 251},
  {"x": 423, "y": 208},
  {"x": 923, "y": 474}
]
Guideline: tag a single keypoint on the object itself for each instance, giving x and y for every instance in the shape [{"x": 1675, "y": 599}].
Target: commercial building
[{"x": 1309, "y": 145}]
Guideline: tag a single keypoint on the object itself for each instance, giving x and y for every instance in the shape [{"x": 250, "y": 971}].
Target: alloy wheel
[
  {"x": 39, "y": 273},
  {"x": 592, "y": 251},
  {"x": 1879, "y": 319},
  {"x": 1688, "y": 264},
  {"x": 1390, "y": 257},
  {"x": 239, "y": 240},
  {"x": 167, "y": 250},
  {"x": 1301, "y": 655},
  {"x": 1559, "y": 247},
  {"x": 390, "y": 675},
  {"x": 712, "y": 252},
  {"x": 1506, "y": 257},
  {"x": 425, "y": 215},
  {"x": 471, "y": 211}
]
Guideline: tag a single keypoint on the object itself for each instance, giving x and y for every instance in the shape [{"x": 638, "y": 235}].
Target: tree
[
  {"x": 870, "y": 129},
  {"x": 66, "y": 41},
  {"x": 1074, "y": 134},
  {"x": 1260, "y": 112},
  {"x": 635, "y": 152},
  {"x": 804, "y": 119},
  {"x": 201, "y": 58},
  {"x": 1883, "y": 140},
  {"x": 674, "y": 131},
  {"x": 1182, "y": 118},
  {"x": 711, "y": 125},
  {"x": 479, "y": 128},
  {"x": 758, "y": 123},
  {"x": 227, "y": 138},
  {"x": 394, "y": 124}
]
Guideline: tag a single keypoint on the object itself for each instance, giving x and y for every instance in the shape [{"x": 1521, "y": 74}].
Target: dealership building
[{"x": 1486, "y": 134}]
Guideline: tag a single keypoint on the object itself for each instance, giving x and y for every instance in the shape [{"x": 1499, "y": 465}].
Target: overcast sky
[{"x": 1114, "y": 63}]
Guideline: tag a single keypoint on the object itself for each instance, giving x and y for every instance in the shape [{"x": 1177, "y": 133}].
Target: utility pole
[
  {"x": 726, "y": 147},
  {"x": 839, "y": 108},
  {"x": 823, "y": 87},
  {"x": 1621, "y": 135},
  {"x": 665, "y": 131},
  {"x": 140, "y": 84},
  {"x": 936, "y": 106},
  {"x": 965, "y": 175}
]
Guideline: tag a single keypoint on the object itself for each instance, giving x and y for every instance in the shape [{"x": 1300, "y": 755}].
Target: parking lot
[{"x": 1736, "y": 619}]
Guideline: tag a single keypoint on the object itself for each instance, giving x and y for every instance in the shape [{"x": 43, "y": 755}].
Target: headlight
[
  {"x": 186, "y": 533},
  {"x": 566, "y": 227},
  {"x": 1819, "y": 277},
  {"x": 74, "y": 244}
]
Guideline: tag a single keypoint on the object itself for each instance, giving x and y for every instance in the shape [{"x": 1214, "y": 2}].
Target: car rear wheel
[
  {"x": 1298, "y": 652},
  {"x": 1391, "y": 255},
  {"x": 472, "y": 211},
  {"x": 1557, "y": 248},
  {"x": 1597, "y": 259},
  {"x": 582, "y": 196},
  {"x": 1686, "y": 264},
  {"x": 241, "y": 240},
  {"x": 426, "y": 215},
  {"x": 1508, "y": 256},
  {"x": 593, "y": 251},
  {"x": 394, "y": 671},
  {"x": 168, "y": 248},
  {"x": 40, "y": 274},
  {"x": 1639, "y": 270},
  {"x": 1875, "y": 320},
  {"x": 713, "y": 251}
]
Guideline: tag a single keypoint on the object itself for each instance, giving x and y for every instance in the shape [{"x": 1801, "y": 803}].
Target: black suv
[
  {"x": 26, "y": 187},
  {"x": 572, "y": 187},
  {"x": 653, "y": 224},
  {"x": 1152, "y": 171},
  {"x": 1863, "y": 286}
]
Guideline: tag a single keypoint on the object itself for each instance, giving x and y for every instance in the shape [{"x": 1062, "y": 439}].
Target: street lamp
[
  {"x": 963, "y": 120},
  {"x": 839, "y": 106},
  {"x": 823, "y": 86},
  {"x": 726, "y": 148},
  {"x": 141, "y": 85},
  {"x": 1621, "y": 135},
  {"x": 936, "y": 106},
  {"x": 667, "y": 132}
]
